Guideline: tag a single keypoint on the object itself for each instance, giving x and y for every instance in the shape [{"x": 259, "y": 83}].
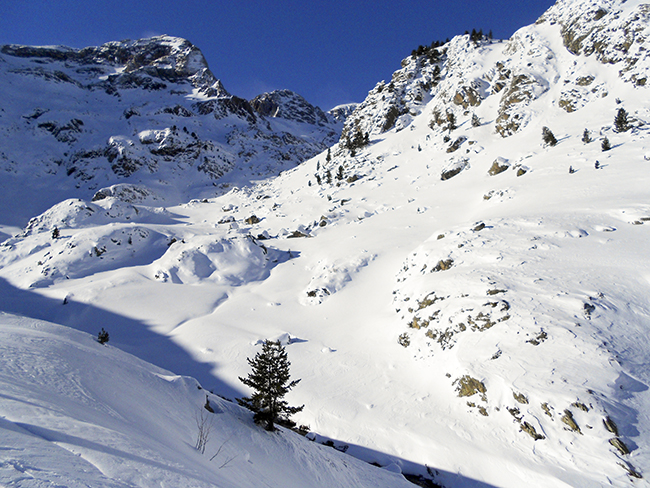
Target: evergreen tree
[
  {"x": 548, "y": 137},
  {"x": 270, "y": 380},
  {"x": 102, "y": 336},
  {"x": 605, "y": 145},
  {"x": 328, "y": 158},
  {"x": 620, "y": 122},
  {"x": 476, "y": 122},
  {"x": 56, "y": 233},
  {"x": 586, "y": 136}
]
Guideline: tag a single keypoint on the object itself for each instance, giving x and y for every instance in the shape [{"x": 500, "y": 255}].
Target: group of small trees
[
  {"x": 431, "y": 52},
  {"x": 621, "y": 124},
  {"x": 477, "y": 36},
  {"x": 355, "y": 141}
]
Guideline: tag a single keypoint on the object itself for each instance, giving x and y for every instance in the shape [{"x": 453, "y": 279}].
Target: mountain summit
[{"x": 145, "y": 114}]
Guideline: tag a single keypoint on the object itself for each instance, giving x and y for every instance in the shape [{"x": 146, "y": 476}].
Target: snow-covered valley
[{"x": 462, "y": 301}]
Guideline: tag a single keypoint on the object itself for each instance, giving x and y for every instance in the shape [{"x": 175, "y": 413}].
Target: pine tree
[
  {"x": 586, "y": 136},
  {"x": 548, "y": 137},
  {"x": 605, "y": 145},
  {"x": 620, "y": 122},
  {"x": 270, "y": 380},
  {"x": 102, "y": 336}
]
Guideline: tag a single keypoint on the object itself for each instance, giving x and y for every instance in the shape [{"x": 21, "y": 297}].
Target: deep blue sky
[{"x": 328, "y": 51}]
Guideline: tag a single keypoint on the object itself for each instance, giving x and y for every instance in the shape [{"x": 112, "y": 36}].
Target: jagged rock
[
  {"x": 288, "y": 105},
  {"x": 179, "y": 130},
  {"x": 498, "y": 166}
]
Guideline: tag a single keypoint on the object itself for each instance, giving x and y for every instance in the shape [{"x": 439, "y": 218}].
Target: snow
[
  {"x": 77, "y": 413},
  {"x": 523, "y": 296}
]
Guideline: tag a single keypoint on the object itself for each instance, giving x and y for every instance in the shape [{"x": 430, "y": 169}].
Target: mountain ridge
[{"x": 142, "y": 113}]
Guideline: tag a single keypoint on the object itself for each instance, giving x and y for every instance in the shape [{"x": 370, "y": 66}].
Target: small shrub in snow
[
  {"x": 476, "y": 122},
  {"x": 586, "y": 136},
  {"x": 404, "y": 340},
  {"x": 203, "y": 421},
  {"x": 56, "y": 233},
  {"x": 102, "y": 337},
  {"x": 548, "y": 137}
]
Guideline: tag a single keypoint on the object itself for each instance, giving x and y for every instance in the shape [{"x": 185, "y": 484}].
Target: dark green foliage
[
  {"x": 548, "y": 137},
  {"x": 436, "y": 73},
  {"x": 328, "y": 158},
  {"x": 586, "y": 136},
  {"x": 355, "y": 141},
  {"x": 477, "y": 36},
  {"x": 328, "y": 175},
  {"x": 270, "y": 381},
  {"x": 621, "y": 124},
  {"x": 605, "y": 145},
  {"x": 102, "y": 337},
  {"x": 339, "y": 174},
  {"x": 431, "y": 53},
  {"x": 56, "y": 233}
]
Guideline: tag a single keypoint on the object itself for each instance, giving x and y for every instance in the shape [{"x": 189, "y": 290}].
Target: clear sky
[{"x": 328, "y": 51}]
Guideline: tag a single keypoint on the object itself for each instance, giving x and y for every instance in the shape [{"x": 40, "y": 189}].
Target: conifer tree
[
  {"x": 270, "y": 380},
  {"x": 548, "y": 137},
  {"x": 620, "y": 122},
  {"x": 605, "y": 145},
  {"x": 586, "y": 136}
]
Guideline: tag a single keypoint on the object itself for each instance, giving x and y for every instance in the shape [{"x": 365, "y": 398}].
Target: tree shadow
[
  {"x": 130, "y": 335},
  {"x": 420, "y": 475}
]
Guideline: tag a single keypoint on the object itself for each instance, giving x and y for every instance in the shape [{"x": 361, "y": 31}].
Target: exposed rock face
[
  {"x": 614, "y": 32},
  {"x": 288, "y": 105},
  {"x": 144, "y": 112},
  {"x": 145, "y": 63},
  {"x": 458, "y": 79}
]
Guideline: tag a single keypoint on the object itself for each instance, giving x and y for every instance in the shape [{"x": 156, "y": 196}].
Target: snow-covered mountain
[
  {"x": 463, "y": 295},
  {"x": 145, "y": 120}
]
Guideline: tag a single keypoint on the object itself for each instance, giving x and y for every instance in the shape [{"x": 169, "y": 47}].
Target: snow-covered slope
[
  {"x": 76, "y": 413},
  {"x": 462, "y": 301},
  {"x": 146, "y": 115}
]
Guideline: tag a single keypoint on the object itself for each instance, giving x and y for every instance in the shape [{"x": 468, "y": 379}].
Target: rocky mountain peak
[
  {"x": 142, "y": 113},
  {"x": 288, "y": 105}
]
